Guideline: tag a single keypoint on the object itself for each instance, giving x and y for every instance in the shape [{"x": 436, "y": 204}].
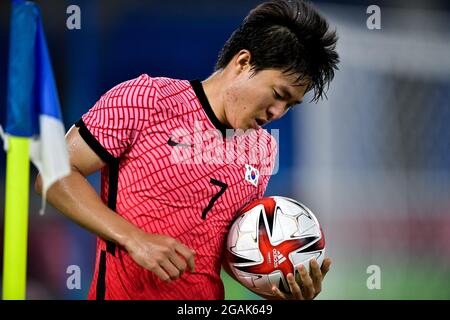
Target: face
[{"x": 253, "y": 100}]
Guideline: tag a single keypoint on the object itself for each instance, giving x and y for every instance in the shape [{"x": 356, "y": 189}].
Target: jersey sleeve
[{"x": 112, "y": 125}]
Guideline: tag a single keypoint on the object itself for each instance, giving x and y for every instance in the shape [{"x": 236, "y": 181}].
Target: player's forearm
[{"x": 77, "y": 200}]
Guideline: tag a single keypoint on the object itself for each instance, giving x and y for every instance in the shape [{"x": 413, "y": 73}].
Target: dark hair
[{"x": 288, "y": 35}]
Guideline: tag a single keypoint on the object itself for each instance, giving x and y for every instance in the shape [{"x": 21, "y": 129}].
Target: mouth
[{"x": 260, "y": 122}]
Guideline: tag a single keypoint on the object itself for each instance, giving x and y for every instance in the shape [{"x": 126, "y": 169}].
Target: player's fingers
[
  {"x": 295, "y": 288},
  {"x": 325, "y": 266},
  {"x": 160, "y": 273},
  {"x": 278, "y": 294},
  {"x": 188, "y": 254},
  {"x": 170, "y": 269},
  {"x": 316, "y": 276},
  {"x": 307, "y": 286},
  {"x": 178, "y": 262}
]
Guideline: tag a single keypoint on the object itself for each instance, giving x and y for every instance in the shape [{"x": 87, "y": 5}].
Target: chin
[
  {"x": 239, "y": 126},
  {"x": 242, "y": 126},
  {"x": 245, "y": 127}
]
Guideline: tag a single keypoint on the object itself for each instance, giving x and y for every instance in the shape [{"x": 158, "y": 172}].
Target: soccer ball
[{"x": 269, "y": 239}]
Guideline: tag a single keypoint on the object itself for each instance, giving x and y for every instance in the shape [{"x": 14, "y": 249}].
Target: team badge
[{"x": 251, "y": 175}]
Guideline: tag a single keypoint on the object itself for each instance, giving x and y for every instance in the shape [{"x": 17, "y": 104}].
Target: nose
[{"x": 275, "y": 112}]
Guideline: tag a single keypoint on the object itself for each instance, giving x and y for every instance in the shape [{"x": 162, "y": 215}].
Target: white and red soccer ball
[{"x": 269, "y": 239}]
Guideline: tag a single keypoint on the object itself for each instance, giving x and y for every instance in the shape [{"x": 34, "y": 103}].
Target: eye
[{"x": 277, "y": 95}]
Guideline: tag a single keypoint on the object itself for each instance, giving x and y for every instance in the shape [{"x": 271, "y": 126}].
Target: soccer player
[{"x": 169, "y": 189}]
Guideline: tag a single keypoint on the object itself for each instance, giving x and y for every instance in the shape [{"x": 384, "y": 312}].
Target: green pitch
[{"x": 402, "y": 279}]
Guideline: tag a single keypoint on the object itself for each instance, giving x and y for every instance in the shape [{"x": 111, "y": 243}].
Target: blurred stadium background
[{"x": 373, "y": 162}]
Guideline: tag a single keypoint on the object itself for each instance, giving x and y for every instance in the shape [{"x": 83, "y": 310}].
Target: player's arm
[{"x": 78, "y": 200}]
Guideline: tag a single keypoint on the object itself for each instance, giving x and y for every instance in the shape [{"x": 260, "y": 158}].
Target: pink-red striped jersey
[{"x": 170, "y": 172}]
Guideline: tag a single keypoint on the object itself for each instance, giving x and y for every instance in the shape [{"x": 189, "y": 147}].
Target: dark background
[{"x": 120, "y": 40}]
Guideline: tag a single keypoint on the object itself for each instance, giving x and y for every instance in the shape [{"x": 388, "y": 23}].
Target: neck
[{"x": 213, "y": 87}]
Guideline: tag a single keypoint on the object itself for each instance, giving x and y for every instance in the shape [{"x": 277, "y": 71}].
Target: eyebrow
[{"x": 288, "y": 94}]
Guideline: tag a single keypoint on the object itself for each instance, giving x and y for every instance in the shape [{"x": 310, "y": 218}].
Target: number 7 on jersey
[{"x": 223, "y": 186}]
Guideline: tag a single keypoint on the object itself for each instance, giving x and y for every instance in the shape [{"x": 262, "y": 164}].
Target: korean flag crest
[{"x": 251, "y": 175}]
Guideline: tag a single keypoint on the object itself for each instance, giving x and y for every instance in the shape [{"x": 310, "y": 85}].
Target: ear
[{"x": 242, "y": 61}]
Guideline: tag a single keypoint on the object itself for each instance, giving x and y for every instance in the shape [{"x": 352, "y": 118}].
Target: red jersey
[{"x": 169, "y": 171}]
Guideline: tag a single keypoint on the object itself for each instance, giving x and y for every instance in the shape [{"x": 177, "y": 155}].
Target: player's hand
[
  {"x": 309, "y": 285},
  {"x": 163, "y": 255}
]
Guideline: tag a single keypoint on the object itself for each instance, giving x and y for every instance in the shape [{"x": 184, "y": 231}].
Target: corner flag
[{"x": 34, "y": 130}]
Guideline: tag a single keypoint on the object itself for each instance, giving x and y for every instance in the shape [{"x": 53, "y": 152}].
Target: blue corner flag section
[{"x": 33, "y": 108}]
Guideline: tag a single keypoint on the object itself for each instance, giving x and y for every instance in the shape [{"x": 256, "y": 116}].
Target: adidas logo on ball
[{"x": 278, "y": 258}]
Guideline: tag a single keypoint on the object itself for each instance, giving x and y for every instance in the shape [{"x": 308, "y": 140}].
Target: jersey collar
[{"x": 201, "y": 95}]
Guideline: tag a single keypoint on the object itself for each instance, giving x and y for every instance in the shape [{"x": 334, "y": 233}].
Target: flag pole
[{"x": 16, "y": 219}]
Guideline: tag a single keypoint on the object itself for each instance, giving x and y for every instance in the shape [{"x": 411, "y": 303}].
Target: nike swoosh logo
[{"x": 176, "y": 144}]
